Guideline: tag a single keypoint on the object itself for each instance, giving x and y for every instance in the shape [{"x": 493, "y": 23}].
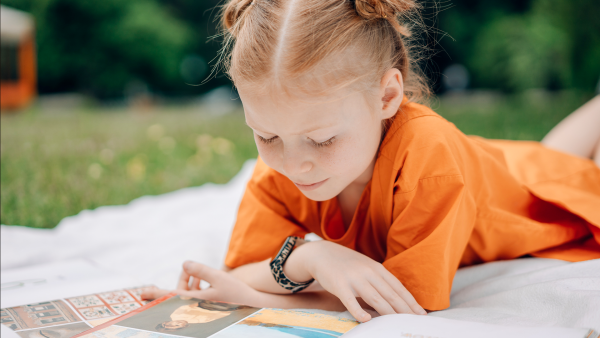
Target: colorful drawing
[
  {"x": 8, "y": 320},
  {"x": 96, "y": 312},
  {"x": 117, "y": 297},
  {"x": 85, "y": 301},
  {"x": 188, "y": 317},
  {"x": 137, "y": 293},
  {"x": 96, "y": 309},
  {"x": 289, "y": 323},
  {"x": 108, "y": 304},
  {"x": 59, "y": 331},
  {"x": 40, "y": 315},
  {"x": 121, "y": 309}
]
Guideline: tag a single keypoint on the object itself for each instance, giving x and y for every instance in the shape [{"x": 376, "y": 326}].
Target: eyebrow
[{"x": 306, "y": 131}]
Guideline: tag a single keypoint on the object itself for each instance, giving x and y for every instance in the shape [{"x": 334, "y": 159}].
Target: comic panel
[
  {"x": 137, "y": 294},
  {"x": 117, "y": 297},
  {"x": 39, "y": 315},
  {"x": 289, "y": 323},
  {"x": 85, "y": 301},
  {"x": 188, "y": 317},
  {"x": 8, "y": 320},
  {"x": 59, "y": 331}
]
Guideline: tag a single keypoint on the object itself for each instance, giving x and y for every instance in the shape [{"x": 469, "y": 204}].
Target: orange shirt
[{"x": 438, "y": 200}]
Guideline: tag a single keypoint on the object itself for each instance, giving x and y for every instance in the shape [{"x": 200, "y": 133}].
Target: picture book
[
  {"x": 175, "y": 316},
  {"x": 64, "y": 318}
]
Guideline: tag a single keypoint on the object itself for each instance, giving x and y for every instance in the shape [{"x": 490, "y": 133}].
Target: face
[{"x": 322, "y": 144}]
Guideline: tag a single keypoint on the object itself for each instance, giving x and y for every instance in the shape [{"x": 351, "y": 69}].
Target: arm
[{"x": 225, "y": 287}]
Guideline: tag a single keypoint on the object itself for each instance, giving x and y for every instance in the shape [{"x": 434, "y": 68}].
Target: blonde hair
[{"x": 347, "y": 42}]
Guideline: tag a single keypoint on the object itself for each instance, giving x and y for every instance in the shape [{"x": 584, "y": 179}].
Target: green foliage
[
  {"x": 550, "y": 44},
  {"x": 521, "y": 52},
  {"x": 98, "y": 47},
  {"x": 53, "y": 166}
]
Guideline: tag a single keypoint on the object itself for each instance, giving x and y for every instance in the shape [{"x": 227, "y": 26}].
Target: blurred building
[{"x": 18, "y": 60}]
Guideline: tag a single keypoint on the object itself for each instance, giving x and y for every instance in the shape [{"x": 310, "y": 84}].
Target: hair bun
[
  {"x": 232, "y": 13},
  {"x": 385, "y": 9}
]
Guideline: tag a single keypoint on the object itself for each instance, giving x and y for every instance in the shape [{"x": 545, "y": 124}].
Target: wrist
[{"x": 297, "y": 265}]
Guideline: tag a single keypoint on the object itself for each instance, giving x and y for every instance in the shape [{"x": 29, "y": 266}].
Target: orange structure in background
[{"x": 18, "y": 60}]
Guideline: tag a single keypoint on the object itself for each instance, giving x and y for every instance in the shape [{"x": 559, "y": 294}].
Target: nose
[{"x": 295, "y": 161}]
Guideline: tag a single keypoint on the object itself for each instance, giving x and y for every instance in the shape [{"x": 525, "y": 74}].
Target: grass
[{"x": 55, "y": 165}]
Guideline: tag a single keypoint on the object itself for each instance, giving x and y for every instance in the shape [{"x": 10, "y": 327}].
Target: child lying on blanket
[{"x": 400, "y": 195}]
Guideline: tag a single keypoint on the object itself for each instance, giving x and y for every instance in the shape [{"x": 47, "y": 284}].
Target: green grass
[{"x": 55, "y": 165}]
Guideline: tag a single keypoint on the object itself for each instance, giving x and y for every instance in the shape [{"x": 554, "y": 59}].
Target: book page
[
  {"x": 288, "y": 323},
  {"x": 65, "y": 318},
  {"x": 175, "y": 316}
]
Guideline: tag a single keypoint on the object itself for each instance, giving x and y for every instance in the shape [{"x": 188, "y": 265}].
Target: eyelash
[{"x": 319, "y": 145}]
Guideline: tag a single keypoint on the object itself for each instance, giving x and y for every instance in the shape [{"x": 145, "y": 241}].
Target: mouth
[{"x": 308, "y": 187}]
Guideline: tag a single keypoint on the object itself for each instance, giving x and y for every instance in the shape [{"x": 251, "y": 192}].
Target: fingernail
[
  {"x": 422, "y": 312},
  {"x": 186, "y": 264}
]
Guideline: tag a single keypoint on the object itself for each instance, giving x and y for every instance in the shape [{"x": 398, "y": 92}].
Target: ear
[{"x": 391, "y": 93}]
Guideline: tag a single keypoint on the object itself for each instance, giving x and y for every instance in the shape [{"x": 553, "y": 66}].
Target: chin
[{"x": 320, "y": 196}]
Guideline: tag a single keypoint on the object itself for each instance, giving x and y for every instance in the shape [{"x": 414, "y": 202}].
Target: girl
[{"x": 401, "y": 197}]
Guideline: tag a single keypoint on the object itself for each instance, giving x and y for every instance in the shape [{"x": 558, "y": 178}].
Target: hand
[
  {"x": 223, "y": 286},
  {"x": 349, "y": 274}
]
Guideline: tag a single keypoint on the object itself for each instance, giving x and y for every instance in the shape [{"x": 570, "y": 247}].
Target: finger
[
  {"x": 195, "y": 283},
  {"x": 155, "y": 293},
  {"x": 389, "y": 295},
  {"x": 202, "y": 272},
  {"x": 349, "y": 300},
  {"x": 368, "y": 293},
  {"x": 184, "y": 280},
  {"x": 404, "y": 293}
]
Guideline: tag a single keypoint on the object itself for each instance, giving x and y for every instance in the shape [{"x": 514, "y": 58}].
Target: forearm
[{"x": 258, "y": 276}]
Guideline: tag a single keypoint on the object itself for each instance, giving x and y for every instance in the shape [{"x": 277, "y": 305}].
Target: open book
[
  {"x": 174, "y": 316},
  {"x": 64, "y": 318}
]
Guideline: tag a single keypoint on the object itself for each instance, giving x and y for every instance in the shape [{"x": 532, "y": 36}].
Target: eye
[
  {"x": 324, "y": 143},
  {"x": 267, "y": 140}
]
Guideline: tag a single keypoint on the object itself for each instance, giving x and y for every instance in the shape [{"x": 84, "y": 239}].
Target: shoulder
[{"x": 422, "y": 145}]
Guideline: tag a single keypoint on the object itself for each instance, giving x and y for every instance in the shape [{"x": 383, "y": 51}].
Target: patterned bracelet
[{"x": 277, "y": 267}]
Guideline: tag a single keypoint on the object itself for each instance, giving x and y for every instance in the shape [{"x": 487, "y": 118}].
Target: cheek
[
  {"x": 269, "y": 154},
  {"x": 348, "y": 154}
]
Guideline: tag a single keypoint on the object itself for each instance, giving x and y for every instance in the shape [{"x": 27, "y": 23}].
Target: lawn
[{"x": 54, "y": 165}]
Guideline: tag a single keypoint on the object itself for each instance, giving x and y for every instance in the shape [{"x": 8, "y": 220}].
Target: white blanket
[{"x": 150, "y": 237}]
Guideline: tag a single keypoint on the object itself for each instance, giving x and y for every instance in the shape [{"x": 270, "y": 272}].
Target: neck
[{"x": 350, "y": 196}]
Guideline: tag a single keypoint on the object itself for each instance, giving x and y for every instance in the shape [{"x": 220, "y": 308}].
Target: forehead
[{"x": 299, "y": 114}]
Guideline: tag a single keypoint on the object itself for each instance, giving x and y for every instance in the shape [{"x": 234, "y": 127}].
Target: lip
[{"x": 309, "y": 187}]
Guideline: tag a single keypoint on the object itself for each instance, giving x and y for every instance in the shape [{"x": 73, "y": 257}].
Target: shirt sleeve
[
  {"x": 263, "y": 221},
  {"x": 427, "y": 240},
  {"x": 433, "y": 212}
]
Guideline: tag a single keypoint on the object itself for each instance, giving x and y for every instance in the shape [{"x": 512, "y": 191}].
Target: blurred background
[{"x": 105, "y": 101}]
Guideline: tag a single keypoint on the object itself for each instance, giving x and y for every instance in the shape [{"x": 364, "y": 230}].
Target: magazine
[
  {"x": 175, "y": 316},
  {"x": 64, "y": 318}
]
